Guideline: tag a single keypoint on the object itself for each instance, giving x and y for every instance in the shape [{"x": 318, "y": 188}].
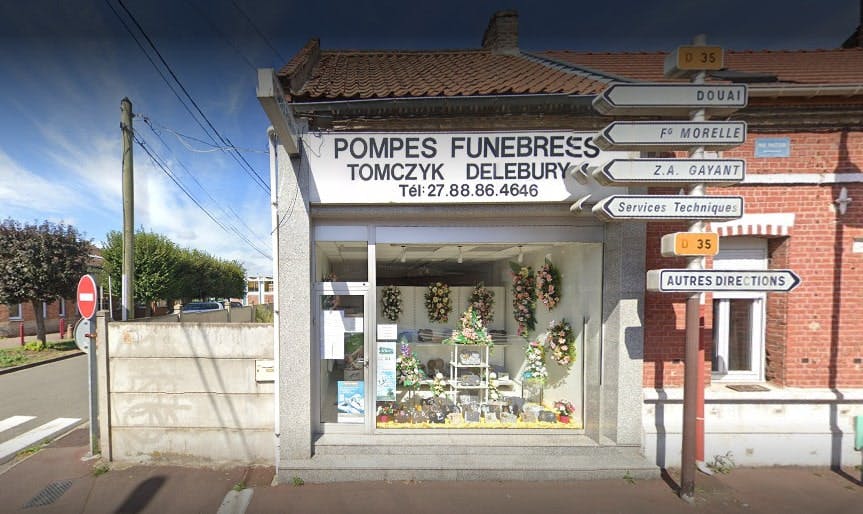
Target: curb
[{"x": 12, "y": 369}]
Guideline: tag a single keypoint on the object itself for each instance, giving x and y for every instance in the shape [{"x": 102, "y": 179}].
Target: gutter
[
  {"x": 807, "y": 91},
  {"x": 428, "y": 102}
]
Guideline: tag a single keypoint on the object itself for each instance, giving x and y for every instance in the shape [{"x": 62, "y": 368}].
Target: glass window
[
  {"x": 440, "y": 304},
  {"x": 738, "y": 317},
  {"x": 15, "y": 311},
  {"x": 252, "y": 286}
]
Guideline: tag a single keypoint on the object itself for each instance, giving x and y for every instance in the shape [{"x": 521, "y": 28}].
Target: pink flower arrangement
[
  {"x": 548, "y": 285},
  {"x": 523, "y": 298},
  {"x": 564, "y": 407},
  {"x": 482, "y": 301}
]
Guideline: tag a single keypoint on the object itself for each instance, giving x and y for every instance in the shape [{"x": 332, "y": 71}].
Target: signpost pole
[{"x": 691, "y": 363}]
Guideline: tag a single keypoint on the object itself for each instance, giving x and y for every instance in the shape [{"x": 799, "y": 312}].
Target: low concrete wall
[
  {"x": 778, "y": 427},
  {"x": 186, "y": 393}
]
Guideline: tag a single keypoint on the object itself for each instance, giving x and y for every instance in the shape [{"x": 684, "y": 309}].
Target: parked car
[
  {"x": 202, "y": 307},
  {"x": 236, "y": 305}
]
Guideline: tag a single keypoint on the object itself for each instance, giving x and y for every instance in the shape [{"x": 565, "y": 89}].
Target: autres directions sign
[
  {"x": 708, "y": 280},
  {"x": 667, "y": 135},
  {"x": 668, "y": 207},
  {"x": 670, "y": 99}
]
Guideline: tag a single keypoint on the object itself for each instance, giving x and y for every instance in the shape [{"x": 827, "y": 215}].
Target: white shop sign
[{"x": 446, "y": 168}]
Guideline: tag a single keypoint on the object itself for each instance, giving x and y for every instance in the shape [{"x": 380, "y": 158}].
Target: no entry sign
[{"x": 86, "y": 296}]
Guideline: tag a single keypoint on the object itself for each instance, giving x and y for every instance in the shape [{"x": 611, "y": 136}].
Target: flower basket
[{"x": 471, "y": 331}]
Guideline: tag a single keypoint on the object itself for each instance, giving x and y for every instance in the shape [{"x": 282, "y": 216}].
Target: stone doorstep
[{"x": 491, "y": 466}]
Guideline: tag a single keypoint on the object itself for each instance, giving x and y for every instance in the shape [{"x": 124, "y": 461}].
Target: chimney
[
  {"x": 501, "y": 35},
  {"x": 855, "y": 40}
]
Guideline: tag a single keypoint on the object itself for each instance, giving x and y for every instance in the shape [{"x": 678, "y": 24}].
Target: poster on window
[
  {"x": 333, "y": 340},
  {"x": 386, "y": 382},
  {"x": 351, "y": 401}
]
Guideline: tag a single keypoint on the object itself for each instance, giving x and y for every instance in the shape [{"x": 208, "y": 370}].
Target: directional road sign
[
  {"x": 87, "y": 296},
  {"x": 690, "y": 244},
  {"x": 668, "y": 207},
  {"x": 670, "y": 135},
  {"x": 659, "y": 172},
  {"x": 687, "y": 60},
  {"x": 670, "y": 99},
  {"x": 709, "y": 280}
]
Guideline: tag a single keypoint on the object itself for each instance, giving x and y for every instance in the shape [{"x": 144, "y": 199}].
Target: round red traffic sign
[{"x": 86, "y": 296}]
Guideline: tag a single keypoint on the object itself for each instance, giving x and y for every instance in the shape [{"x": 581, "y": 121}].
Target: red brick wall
[{"x": 814, "y": 335}]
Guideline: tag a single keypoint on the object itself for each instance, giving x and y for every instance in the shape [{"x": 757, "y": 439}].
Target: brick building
[
  {"x": 419, "y": 168},
  {"x": 12, "y": 316}
]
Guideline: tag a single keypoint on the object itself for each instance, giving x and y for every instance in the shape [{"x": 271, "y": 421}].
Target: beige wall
[{"x": 186, "y": 393}]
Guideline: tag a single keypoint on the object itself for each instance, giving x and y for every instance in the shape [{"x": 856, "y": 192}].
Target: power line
[
  {"x": 159, "y": 162},
  {"x": 182, "y": 137},
  {"x": 150, "y": 124},
  {"x": 203, "y": 14},
  {"x": 260, "y": 34},
  {"x": 244, "y": 164}
]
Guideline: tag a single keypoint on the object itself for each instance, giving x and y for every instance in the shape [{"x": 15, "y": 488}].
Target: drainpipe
[{"x": 274, "y": 235}]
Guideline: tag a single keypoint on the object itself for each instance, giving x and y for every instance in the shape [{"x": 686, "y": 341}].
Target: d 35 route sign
[
  {"x": 667, "y": 135},
  {"x": 668, "y": 207},
  {"x": 708, "y": 280},
  {"x": 660, "y": 172},
  {"x": 686, "y": 60},
  {"x": 670, "y": 99},
  {"x": 86, "y": 296},
  {"x": 690, "y": 244}
]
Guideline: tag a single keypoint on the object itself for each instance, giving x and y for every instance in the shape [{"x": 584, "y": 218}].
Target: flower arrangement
[
  {"x": 523, "y": 298},
  {"x": 548, "y": 285},
  {"x": 472, "y": 331},
  {"x": 438, "y": 302},
  {"x": 386, "y": 409},
  {"x": 561, "y": 341},
  {"x": 493, "y": 392},
  {"x": 482, "y": 300},
  {"x": 535, "y": 369},
  {"x": 564, "y": 408},
  {"x": 408, "y": 369},
  {"x": 391, "y": 301},
  {"x": 438, "y": 387}
]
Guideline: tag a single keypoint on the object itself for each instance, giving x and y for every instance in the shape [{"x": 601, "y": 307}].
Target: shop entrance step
[{"x": 340, "y": 458}]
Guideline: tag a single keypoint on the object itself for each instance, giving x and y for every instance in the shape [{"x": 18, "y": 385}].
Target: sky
[{"x": 66, "y": 65}]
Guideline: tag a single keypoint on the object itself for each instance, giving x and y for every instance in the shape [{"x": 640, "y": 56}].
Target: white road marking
[
  {"x": 10, "y": 448},
  {"x": 14, "y": 421}
]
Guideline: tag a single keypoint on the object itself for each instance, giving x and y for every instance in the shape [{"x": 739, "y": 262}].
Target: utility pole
[{"x": 128, "y": 277}]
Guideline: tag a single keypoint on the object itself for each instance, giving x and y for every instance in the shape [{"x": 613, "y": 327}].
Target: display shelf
[{"x": 466, "y": 359}]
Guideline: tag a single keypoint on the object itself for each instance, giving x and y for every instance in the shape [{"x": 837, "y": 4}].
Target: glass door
[{"x": 342, "y": 331}]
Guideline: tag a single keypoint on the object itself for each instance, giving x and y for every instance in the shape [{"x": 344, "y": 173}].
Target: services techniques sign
[{"x": 446, "y": 168}]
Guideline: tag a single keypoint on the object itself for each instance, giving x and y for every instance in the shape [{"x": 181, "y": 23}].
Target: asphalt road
[{"x": 48, "y": 391}]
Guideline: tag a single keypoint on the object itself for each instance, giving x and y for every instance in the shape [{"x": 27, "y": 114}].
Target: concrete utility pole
[{"x": 128, "y": 285}]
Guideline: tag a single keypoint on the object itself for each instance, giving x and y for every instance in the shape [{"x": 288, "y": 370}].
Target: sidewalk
[
  {"x": 171, "y": 489},
  {"x": 15, "y": 341}
]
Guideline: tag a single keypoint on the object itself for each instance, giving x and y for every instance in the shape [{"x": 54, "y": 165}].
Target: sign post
[{"x": 85, "y": 337}]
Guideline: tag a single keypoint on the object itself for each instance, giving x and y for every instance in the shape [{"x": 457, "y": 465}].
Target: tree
[
  {"x": 39, "y": 263},
  {"x": 156, "y": 264},
  {"x": 163, "y": 271}
]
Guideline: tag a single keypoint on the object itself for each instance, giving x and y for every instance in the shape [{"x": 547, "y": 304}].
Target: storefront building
[{"x": 447, "y": 310}]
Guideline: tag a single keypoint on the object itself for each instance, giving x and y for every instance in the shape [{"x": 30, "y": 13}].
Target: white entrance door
[{"x": 343, "y": 327}]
